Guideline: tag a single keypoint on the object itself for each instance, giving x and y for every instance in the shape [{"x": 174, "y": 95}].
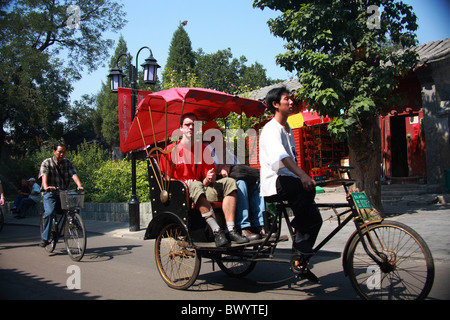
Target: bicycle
[
  {"x": 68, "y": 223},
  {"x": 383, "y": 259}
]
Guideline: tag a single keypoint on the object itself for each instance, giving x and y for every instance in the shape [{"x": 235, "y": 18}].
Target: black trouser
[{"x": 307, "y": 218}]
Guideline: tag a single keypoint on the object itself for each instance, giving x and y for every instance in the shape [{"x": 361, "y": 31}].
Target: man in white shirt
[{"x": 281, "y": 177}]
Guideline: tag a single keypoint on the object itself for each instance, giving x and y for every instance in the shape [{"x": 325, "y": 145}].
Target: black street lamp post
[{"x": 116, "y": 81}]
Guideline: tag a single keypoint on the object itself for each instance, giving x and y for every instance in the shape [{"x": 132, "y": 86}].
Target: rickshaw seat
[{"x": 216, "y": 205}]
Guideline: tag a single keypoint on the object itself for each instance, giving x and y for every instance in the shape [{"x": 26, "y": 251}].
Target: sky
[{"x": 217, "y": 25}]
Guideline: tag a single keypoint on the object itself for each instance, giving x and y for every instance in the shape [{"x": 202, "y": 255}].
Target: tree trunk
[{"x": 365, "y": 157}]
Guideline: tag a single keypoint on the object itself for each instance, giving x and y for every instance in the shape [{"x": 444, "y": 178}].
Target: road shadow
[
  {"x": 398, "y": 210},
  {"x": 278, "y": 279},
  {"x": 19, "y": 285},
  {"x": 11, "y": 239},
  {"x": 100, "y": 254}
]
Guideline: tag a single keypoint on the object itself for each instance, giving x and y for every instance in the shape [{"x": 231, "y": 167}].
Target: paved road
[{"x": 120, "y": 265}]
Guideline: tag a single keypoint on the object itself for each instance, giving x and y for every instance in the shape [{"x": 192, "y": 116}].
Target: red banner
[
  {"x": 125, "y": 109},
  {"x": 142, "y": 94},
  {"x": 124, "y": 113}
]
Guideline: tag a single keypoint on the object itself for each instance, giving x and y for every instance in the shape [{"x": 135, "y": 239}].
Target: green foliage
[
  {"x": 222, "y": 72},
  {"x": 346, "y": 70},
  {"x": 86, "y": 159},
  {"x": 35, "y": 86},
  {"x": 181, "y": 59},
  {"x": 104, "y": 180},
  {"x": 112, "y": 182},
  {"x": 218, "y": 71},
  {"x": 182, "y": 78}
]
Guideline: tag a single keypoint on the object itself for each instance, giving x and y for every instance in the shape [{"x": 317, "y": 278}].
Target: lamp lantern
[
  {"x": 150, "y": 70},
  {"x": 116, "y": 78}
]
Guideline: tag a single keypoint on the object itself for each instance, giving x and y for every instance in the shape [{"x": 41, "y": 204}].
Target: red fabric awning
[{"x": 158, "y": 114}]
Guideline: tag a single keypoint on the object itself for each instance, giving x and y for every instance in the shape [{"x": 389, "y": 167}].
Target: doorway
[{"x": 399, "y": 147}]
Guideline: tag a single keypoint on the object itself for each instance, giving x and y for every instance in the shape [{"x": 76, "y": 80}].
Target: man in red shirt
[{"x": 192, "y": 163}]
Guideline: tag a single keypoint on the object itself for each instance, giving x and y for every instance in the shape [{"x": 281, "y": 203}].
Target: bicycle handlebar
[
  {"x": 346, "y": 168},
  {"x": 341, "y": 181},
  {"x": 58, "y": 190}
]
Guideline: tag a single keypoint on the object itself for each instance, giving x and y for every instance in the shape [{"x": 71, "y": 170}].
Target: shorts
[{"x": 214, "y": 192}]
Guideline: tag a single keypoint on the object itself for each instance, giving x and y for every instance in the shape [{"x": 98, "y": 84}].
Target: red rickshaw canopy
[{"x": 158, "y": 114}]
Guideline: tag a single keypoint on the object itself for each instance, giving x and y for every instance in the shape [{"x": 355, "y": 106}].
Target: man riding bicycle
[{"x": 56, "y": 173}]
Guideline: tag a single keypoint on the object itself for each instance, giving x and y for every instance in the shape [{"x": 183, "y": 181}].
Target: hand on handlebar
[
  {"x": 53, "y": 189},
  {"x": 308, "y": 183}
]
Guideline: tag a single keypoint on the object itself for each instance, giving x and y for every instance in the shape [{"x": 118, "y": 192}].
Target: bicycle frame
[
  {"x": 354, "y": 215},
  {"x": 60, "y": 224}
]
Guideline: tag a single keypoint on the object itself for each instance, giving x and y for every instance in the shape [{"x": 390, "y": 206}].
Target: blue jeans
[
  {"x": 51, "y": 203},
  {"x": 249, "y": 206},
  {"x": 24, "y": 205}
]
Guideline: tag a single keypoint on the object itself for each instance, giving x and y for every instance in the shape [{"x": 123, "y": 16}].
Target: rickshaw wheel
[
  {"x": 235, "y": 265},
  {"x": 178, "y": 264}
]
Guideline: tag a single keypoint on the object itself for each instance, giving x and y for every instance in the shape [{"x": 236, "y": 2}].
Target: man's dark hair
[
  {"x": 187, "y": 115},
  {"x": 274, "y": 95},
  {"x": 59, "y": 144}
]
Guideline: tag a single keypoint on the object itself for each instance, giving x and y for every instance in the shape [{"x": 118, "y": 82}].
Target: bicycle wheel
[
  {"x": 235, "y": 265},
  {"x": 53, "y": 234},
  {"x": 407, "y": 268},
  {"x": 178, "y": 264},
  {"x": 75, "y": 236}
]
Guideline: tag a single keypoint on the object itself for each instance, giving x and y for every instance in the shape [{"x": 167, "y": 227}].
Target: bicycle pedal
[{"x": 308, "y": 275}]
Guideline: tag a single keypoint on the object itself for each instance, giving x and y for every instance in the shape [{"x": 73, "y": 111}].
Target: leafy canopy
[
  {"x": 40, "y": 57},
  {"x": 343, "y": 56}
]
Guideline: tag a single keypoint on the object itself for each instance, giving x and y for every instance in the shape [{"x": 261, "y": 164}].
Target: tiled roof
[
  {"x": 260, "y": 94},
  {"x": 433, "y": 51}
]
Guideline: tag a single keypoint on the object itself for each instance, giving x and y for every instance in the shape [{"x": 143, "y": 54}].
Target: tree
[
  {"x": 35, "y": 82},
  {"x": 181, "y": 60},
  {"x": 337, "y": 48},
  {"x": 218, "y": 71},
  {"x": 222, "y": 72},
  {"x": 254, "y": 77},
  {"x": 80, "y": 122}
]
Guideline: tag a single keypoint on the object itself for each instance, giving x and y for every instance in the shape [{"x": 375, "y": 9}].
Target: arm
[
  {"x": 45, "y": 185},
  {"x": 307, "y": 181},
  {"x": 77, "y": 182},
  {"x": 2, "y": 196},
  {"x": 35, "y": 192}
]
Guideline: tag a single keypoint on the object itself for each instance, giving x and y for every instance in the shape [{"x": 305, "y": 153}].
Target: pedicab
[{"x": 384, "y": 260}]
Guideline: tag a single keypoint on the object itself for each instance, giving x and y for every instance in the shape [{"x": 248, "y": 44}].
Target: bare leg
[
  {"x": 203, "y": 205},
  {"x": 229, "y": 206}
]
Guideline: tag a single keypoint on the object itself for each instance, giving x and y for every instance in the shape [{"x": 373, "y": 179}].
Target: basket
[{"x": 71, "y": 199}]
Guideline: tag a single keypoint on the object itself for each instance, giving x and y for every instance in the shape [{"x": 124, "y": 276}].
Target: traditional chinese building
[{"x": 415, "y": 134}]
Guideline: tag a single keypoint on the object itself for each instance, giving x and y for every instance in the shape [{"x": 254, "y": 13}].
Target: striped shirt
[{"x": 58, "y": 175}]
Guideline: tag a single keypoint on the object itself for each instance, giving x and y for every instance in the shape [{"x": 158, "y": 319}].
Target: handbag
[{"x": 243, "y": 172}]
